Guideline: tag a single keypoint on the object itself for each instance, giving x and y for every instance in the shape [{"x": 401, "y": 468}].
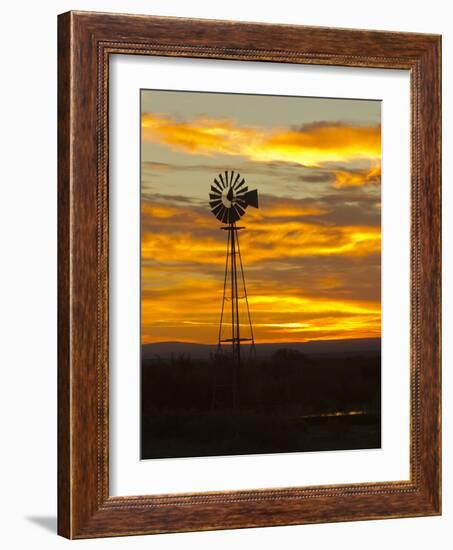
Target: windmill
[{"x": 229, "y": 199}]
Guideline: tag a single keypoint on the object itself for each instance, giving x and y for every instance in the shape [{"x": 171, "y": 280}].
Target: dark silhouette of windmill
[{"x": 229, "y": 199}]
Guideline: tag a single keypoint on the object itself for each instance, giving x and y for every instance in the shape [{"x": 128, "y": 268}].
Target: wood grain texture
[
  {"x": 85, "y": 42},
  {"x": 64, "y": 371}
]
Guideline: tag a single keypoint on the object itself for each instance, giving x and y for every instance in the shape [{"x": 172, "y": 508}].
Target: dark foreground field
[{"x": 285, "y": 402}]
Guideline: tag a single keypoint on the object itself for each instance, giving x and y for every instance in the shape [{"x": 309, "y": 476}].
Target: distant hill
[{"x": 362, "y": 346}]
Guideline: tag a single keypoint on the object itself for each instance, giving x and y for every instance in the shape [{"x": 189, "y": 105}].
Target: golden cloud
[
  {"x": 311, "y": 145},
  {"x": 270, "y": 241},
  {"x": 168, "y": 234},
  {"x": 354, "y": 178}
]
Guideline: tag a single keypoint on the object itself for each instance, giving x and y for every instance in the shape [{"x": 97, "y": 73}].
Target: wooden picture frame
[{"x": 85, "y": 42}]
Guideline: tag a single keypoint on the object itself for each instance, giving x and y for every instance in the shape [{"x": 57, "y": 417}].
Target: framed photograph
[{"x": 249, "y": 275}]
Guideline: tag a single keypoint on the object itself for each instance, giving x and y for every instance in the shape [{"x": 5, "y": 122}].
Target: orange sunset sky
[{"x": 311, "y": 252}]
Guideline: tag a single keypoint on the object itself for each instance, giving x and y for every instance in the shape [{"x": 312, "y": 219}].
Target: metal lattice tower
[{"x": 229, "y": 199}]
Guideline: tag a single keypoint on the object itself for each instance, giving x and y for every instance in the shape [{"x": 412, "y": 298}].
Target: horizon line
[{"x": 266, "y": 342}]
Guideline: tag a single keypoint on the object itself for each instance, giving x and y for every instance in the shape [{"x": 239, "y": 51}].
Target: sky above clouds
[{"x": 311, "y": 252}]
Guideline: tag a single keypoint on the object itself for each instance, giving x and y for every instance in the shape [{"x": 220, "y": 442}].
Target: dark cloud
[
  {"x": 170, "y": 199},
  {"x": 321, "y": 177},
  {"x": 316, "y": 125}
]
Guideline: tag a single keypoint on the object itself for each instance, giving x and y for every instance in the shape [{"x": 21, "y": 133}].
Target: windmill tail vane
[{"x": 229, "y": 200}]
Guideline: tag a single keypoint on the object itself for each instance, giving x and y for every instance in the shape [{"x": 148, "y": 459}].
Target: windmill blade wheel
[{"x": 229, "y": 197}]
